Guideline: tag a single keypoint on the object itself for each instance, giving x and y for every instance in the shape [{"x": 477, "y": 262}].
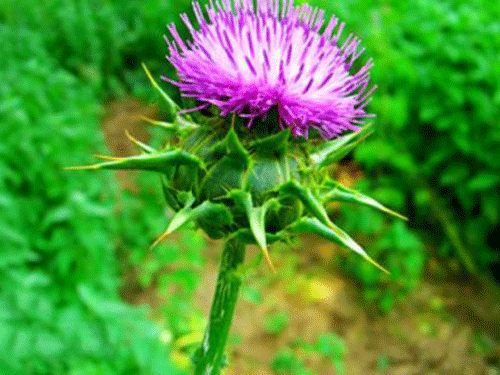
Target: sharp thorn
[
  {"x": 82, "y": 168},
  {"x": 148, "y": 73},
  {"x": 131, "y": 138},
  {"x": 160, "y": 239},
  {"x": 162, "y": 124},
  {"x": 147, "y": 119},
  {"x": 399, "y": 216},
  {"x": 377, "y": 265},
  {"x": 138, "y": 143},
  {"x": 157, "y": 87},
  {"x": 108, "y": 157},
  {"x": 268, "y": 259}
]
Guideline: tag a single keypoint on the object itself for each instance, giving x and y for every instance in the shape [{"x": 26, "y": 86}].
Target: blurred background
[{"x": 81, "y": 293}]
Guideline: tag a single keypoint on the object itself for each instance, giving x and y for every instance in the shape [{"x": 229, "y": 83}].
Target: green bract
[{"x": 257, "y": 185}]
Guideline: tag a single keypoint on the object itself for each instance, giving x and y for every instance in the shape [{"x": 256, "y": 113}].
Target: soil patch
[{"x": 122, "y": 117}]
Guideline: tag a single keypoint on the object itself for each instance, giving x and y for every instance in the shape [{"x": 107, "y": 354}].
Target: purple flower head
[{"x": 246, "y": 59}]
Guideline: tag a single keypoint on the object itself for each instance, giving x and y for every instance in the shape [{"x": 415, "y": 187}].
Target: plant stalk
[{"x": 208, "y": 358}]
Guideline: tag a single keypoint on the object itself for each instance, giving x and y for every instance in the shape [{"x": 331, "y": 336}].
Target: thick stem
[{"x": 208, "y": 358}]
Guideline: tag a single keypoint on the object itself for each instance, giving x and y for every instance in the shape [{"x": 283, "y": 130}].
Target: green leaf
[
  {"x": 36, "y": 279},
  {"x": 218, "y": 213},
  {"x": 273, "y": 146},
  {"x": 101, "y": 305},
  {"x": 344, "y": 194},
  {"x": 7, "y": 333},
  {"x": 159, "y": 162},
  {"x": 276, "y": 323},
  {"x": 23, "y": 344},
  {"x": 235, "y": 149},
  {"x": 331, "y": 233},
  {"x": 455, "y": 173},
  {"x": 256, "y": 218},
  {"x": 484, "y": 181},
  {"x": 308, "y": 200},
  {"x": 180, "y": 217},
  {"x": 48, "y": 345},
  {"x": 334, "y": 150},
  {"x": 56, "y": 216},
  {"x": 91, "y": 338}
]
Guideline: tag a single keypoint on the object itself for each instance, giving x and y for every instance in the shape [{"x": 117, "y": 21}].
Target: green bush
[
  {"x": 436, "y": 154},
  {"x": 60, "y": 312},
  {"x": 438, "y": 107},
  {"x": 103, "y": 42}
]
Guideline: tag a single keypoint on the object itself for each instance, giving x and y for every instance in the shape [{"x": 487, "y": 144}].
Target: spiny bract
[{"x": 259, "y": 185}]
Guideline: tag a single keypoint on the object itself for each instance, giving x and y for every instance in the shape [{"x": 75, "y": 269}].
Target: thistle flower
[
  {"x": 246, "y": 59},
  {"x": 262, "y": 187}
]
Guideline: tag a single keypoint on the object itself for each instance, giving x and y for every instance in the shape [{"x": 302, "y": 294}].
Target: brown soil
[
  {"x": 121, "y": 117},
  {"x": 434, "y": 331}
]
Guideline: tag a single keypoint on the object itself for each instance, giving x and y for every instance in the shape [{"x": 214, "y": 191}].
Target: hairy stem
[{"x": 208, "y": 358}]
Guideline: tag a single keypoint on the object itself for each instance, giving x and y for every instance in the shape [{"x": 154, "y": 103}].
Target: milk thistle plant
[{"x": 282, "y": 89}]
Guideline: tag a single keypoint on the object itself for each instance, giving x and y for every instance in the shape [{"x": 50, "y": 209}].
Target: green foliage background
[
  {"x": 60, "y": 312},
  {"x": 435, "y": 157},
  {"x": 436, "y": 154}
]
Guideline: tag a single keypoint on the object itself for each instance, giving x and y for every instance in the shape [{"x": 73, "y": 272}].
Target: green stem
[{"x": 208, "y": 358}]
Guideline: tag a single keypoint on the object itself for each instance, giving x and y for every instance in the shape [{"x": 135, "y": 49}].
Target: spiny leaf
[
  {"x": 235, "y": 149},
  {"x": 170, "y": 194},
  {"x": 344, "y": 194},
  {"x": 336, "y": 149},
  {"x": 322, "y": 153},
  {"x": 256, "y": 218},
  {"x": 331, "y": 233},
  {"x": 225, "y": 175},
  {"x": 231, "y": 161},
  {"x": 206, "y": 210},
  {"x": 307, "y": 199},
  {"x": 180, "y": 217},
  {"x": 159, "y": 162},
  {"x": 214, "y": 218},
  {"x": 184, "y": 124},
  {"x": 272, "y": 145}
]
